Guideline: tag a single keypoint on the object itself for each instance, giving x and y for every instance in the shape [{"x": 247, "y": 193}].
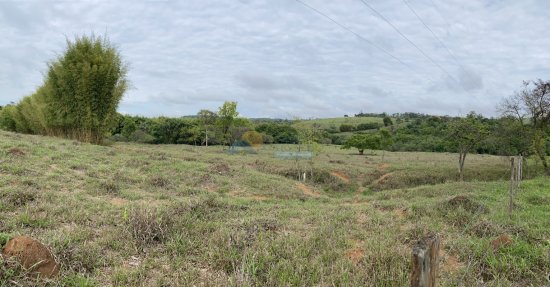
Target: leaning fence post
[{"x": 425, "y": 262}]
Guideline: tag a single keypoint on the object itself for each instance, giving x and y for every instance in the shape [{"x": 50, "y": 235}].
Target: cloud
[{"x": 280, "y": 59}]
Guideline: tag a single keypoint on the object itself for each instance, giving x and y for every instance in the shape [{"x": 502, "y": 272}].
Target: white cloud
[{"x": 280, "y": 59}]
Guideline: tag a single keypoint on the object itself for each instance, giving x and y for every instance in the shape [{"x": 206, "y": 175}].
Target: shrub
[
  {"x": 148, "y": 226},
  {"x": 86, "y": 86},
  {"x": 253, "y": 138},
  {"x": 368, "y": 126},
  {"x": 7, "y": 121},
  {"x": 346, "y": 128}
]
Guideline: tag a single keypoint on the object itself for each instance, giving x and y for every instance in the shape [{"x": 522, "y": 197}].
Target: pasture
[{"x": 178, "y": 215}]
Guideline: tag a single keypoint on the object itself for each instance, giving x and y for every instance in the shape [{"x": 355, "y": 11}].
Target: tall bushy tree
[
  {"x": 531, "y": 107},
  {"x": 362, "y": 142},
  {"x": 466, "y": 135},
  {"x": 86, "y": 85},
  {"x": 227, "y": 114}
]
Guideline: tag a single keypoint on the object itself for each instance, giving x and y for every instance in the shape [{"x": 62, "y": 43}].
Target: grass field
[
  {"x": 335, "y": 123},
  {"x": 175, "y": 215}
]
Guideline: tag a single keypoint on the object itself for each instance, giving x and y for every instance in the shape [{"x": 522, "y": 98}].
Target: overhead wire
[
  {"x": 359, "y": 36},
  {"x": 435, "y": 36},
  {"x": 406, "y": 38}
]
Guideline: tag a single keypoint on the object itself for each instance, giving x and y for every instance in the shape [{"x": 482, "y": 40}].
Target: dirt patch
[
  {"x": 306, "y": 190},
  {"x": 16, "y": 152},
  {"x": 383, "y": 178},
  {"x": 450, "y": 263},
  {"x": 401, "y": 213},
  {"x": 355, "y": 255},
  {"x": 340, "y": 175},
  {"x": 220, "y": 168},
  {"x": 501, "y": 241},
  {"x": 32, "y": 255},
  {"x": 117, "y": 201},
  {"x": 383, "y": 166}
]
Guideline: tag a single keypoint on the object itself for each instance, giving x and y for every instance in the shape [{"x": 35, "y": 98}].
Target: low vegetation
[{"x": 150, "y": 215}]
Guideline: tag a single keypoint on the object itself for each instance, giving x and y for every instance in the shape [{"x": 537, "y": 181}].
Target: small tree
[
  {"x": 226, "y": 118},
  {"x": 253, "y": 138},
  {"x": 387, "y": 121},
  {"x": 531, "y": 107},
  {"x": 206, "y": 120},
  {"x": 465, "y": 135},
  {"x": 362, "y": 142},
  {"x": 385, "y": 141}
]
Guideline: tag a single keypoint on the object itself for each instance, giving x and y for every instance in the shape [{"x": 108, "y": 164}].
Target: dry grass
[{"x": 147, "y": 215}]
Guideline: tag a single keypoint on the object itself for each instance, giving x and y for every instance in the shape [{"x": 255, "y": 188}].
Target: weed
[{"x": 148, "y": 225}]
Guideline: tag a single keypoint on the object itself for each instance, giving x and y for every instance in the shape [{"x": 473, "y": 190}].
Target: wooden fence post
[
  {"x": 425, "y": 262},
  {"x": 513, "y": 176}
]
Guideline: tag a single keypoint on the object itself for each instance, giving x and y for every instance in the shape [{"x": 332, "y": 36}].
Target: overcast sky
[{"x": 279, "y": 58}]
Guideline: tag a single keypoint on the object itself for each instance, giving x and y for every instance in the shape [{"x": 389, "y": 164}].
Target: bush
[
  {"x": 368, "y": 126},
  {"x": 79, "y": 97},
  {"x": 253, "y": 138},
  {"x": 141, "y": 136},
  {"x": 346, "y": 128},
  {"x": 7, "y": 121},
  {"x": 148, "y": 226}
]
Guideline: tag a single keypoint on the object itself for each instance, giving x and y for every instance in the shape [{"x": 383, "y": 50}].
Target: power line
[
  {"x": 357, "y": 35},
  {"x": 408, "y": 40},
  {"x": 435, "y": 36}
]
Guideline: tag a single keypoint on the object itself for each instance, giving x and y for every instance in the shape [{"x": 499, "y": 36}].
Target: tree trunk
[
  {"x": 361, "y": 152},
  {"x": 206, "y": 132}
]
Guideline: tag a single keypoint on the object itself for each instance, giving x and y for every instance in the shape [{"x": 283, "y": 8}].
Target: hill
[{"x": 179, "y": 215}]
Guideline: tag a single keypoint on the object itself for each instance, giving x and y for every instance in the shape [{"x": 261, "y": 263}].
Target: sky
[{"x": 283, "y": 59}]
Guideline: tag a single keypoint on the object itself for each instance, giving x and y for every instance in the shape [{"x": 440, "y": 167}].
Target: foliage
[
  {"x": 227, "y": 114},
  {"x": 85, "y": 86},
  {"x": 253, "y": 138},
  {"x": 363, "y": 142},
  {"x": 7, "y": 118},
  {"x": 387, "y": 121},
  {"x": 531, "y": 107},
  {"x": 79, "y": 97},
  {"x": 346, "y": 128},
  {"x": 466, "y": 134},
  {"x": 280, "y": 132},
  {"x": 368, "y": 126}
]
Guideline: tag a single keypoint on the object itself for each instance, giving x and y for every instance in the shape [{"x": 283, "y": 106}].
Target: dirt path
[
  {"x": 383, "y": 177},
  {"x": 340, "y": 175},
  {"x": 306, "y": 190}
]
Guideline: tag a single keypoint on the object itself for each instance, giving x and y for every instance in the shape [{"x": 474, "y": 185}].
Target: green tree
[
  {"x": 387, "y": 121},
  {"x": 7, "y": 121},
  {"x": 466, "y": 134},
  {"x": 531, "y": 107},
  {"x": 227, "y": 114},
  {"x": 206, "y": 120},
  {"x": 362, "y": 142},
  {"x": 129, "y": 127},
  {"x": 84, "y": 88}
]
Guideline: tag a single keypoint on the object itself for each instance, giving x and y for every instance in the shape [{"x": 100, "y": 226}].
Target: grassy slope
[
  {"x": 336, "y": 122},
  {"x": 221, "y": 220}
]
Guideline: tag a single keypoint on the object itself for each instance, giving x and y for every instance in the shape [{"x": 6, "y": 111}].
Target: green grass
[
  {"x": 147, "y": 215},
  {"x": 328, "y": 123}
]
